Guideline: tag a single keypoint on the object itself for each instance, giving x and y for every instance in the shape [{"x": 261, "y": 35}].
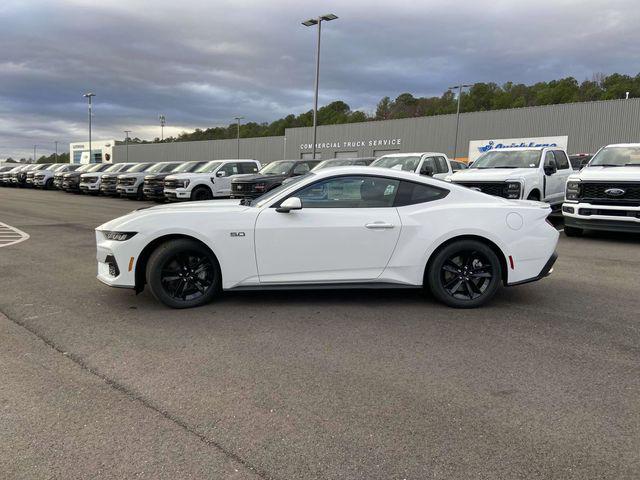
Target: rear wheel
[
  {"x": 573, "y": 231},
  {"x": 183, "y": 273},
  {"x": 465, "y": 274},
  {"x": 201, "y": 193}
]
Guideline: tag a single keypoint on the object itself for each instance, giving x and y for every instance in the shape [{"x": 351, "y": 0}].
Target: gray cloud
[{"x": 203, "y": 62}]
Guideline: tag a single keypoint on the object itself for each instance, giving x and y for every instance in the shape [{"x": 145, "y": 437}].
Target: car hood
[
  {"x": 615, "y": 174},
  {"x": 72, "y": 174},
  {"x": 251, "y": 178},
  {"x": 156, "y": 176},
  {"x": 491, "y": 174},
  {"x": 210, "y": 207}
]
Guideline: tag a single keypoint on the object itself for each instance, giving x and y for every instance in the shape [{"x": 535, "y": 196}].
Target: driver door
[
  {"x": 346, "y": 231},
  {"x": 554, "y": 183}
]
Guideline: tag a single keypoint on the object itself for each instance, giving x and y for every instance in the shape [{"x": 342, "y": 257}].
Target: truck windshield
[
  {"x": 616, "y": 157},
  {"x": 509, "y": 159},
  {"x": 208, "y": 167},
  {"x": 277, "y": 168},
  {"x": 188, "y": 167},
  {"x": 407, "y": 163},
  {"x": 140, "y": 167},
  {"x": 115, "y": 168}
]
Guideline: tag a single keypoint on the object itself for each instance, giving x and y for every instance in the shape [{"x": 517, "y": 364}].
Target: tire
[
  {"x": 201, "y": 193},
  {"x": 456, "y": 287},
  {"x": 573, "y": 231},
  {"x": 48, "y": 184},
  {"x": 173, "y": 278},
  {"x": 534, "y": 196}
]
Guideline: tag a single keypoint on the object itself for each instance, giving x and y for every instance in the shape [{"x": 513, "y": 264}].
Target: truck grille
[
  {"x": 154, "y": 182},
  {"x": 109, "y": 180},
  {"x": 603, "y": 193},
  {"x": 89, "y": 179},
  {"x": 171, "y": 183},
  {"x": 126, "y": 181},
  {"x": 490, "y": 188}
]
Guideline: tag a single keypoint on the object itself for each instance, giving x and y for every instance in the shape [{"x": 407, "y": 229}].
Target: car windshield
[
  {"x": 616, "y": 157},
  {"x": 408, "y": 163},
  {"x": 56, "y": 166},
  {"x": 187, "y": 167},
  {"x": 114, "y": 168},
  {"x": 261, "y": 200},
  {"x": 161, "y": 167},
  {"x": 95, "y": 168},
  {"x": 509, "y": 159},
  {"x": 208, "y": 167},
  {"x": 277, "y": 168},
  {"x": 140, "y": 167},
  {"x": 42, "y": 167}
]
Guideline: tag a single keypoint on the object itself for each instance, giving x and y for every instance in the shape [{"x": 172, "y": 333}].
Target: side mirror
[
  {"x": 426, "y": 170},
  {"x": 550, "y": 167},
  {"x": 584, "y": 163},
  {"x": 291, "y": 203},
  {"x": 220, "y": 173}
]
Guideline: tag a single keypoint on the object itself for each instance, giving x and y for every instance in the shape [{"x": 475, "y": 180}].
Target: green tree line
[{"x": 479, "y": 97}]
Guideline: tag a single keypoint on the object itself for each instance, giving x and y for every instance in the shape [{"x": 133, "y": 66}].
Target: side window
[
  {"x": 248, "y": 167},
  {"x": 230, "y": 168},
  {"x": 548, "y": 156},
  {"x": 350, "y": 192},
  {"x": 411, "y": 193},
  {"x": 561, "y": 159},
  {"x": 301, "y": 168},
  {"x": 442, "y": 165}
]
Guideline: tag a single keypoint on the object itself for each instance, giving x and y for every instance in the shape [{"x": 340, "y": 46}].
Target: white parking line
[{"x": 10, "y": 235}]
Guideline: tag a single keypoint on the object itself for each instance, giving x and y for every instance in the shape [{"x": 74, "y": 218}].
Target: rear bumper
[{"x": 545, "y": 272}]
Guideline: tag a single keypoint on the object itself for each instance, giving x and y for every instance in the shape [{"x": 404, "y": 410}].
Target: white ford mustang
[{"x": 338, "y": 227}]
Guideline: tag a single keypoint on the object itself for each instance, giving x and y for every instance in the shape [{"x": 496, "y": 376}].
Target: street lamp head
[
  {"x": 310, "y": 22},
  {"x": 328, "y": 17},
  {"x": 89, "y": 95}
]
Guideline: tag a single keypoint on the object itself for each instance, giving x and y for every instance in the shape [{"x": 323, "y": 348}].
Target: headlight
[
  {"x": 118, "y": 236},
  {"x": 512, "y": 190},
  {"x": 184, "y": 184},
  {"x": 572, "y": 193}
]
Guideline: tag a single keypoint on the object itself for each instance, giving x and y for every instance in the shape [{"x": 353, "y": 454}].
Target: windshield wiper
[
  {"x": 631, "y": 165},
  {"x": 608, "y": 165}
]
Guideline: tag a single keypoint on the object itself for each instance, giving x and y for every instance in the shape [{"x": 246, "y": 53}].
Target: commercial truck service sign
[{"x": 478, "y": 147}]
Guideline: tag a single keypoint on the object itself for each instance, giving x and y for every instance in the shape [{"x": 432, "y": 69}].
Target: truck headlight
[
  {"x": 118, "y": 236},
  {"x": 512, "y": 190},
  {"x": 184, "y": 183},
  {"x": 572, "y": 193}
]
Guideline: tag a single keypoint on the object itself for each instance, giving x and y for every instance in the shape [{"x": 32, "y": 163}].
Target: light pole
[
  {"x": 309, "y": 23},
  {"x": 89, "y": 96},
  {"x": 163, "y": 122},
  {"x": 34, "y": 154},
  {"x": 459, "y": 88},
  {"x": 238, "y": 122},
  {"x": 126, "y": 142},
  {"x": 56, "y": 157}
]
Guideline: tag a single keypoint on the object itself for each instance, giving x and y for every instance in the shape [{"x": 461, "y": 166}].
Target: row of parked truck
[{"x": 547, "y": 174}]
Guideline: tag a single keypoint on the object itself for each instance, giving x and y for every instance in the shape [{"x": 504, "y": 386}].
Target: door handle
[{"x": 379, "y": 225}]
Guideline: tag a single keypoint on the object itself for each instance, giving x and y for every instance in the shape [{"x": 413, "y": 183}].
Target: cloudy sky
[{"x": 202, "y": 62}]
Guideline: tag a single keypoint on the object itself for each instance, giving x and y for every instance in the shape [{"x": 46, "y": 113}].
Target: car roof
[
  {"x": 623, "y": 145},
  {"x": 405, "y": 154}
]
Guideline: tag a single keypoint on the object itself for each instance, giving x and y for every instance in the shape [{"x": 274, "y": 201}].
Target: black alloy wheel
[
  {"x": 183, "y": 273},
  {"x": 465, "y": 274},
  {"x": 201, "y": 193}
]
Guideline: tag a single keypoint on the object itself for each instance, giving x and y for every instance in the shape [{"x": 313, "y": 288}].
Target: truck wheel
[
  {"x": 465, "y": 274},
  {"x": 48, "y": 184},
  {"x": 201, "y": 193},
  {"x": 183, "y": 273},
  {"x": 573, "y": 231}
]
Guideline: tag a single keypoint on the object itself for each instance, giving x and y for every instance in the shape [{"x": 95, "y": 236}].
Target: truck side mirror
[
  {"x": 550, "y": 167},
  {"x": 426, "y": 170},
  {"x": 220, "y": 173}
]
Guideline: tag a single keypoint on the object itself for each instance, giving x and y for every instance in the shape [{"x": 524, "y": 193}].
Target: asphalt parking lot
[{"x": 101, "y": 383}]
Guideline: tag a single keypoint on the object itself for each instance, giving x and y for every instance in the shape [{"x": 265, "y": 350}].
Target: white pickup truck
[
  {"x": 605, "y": 195},
  {"x": 530, "y": 173},
  {"x": 432, "y": 164}
]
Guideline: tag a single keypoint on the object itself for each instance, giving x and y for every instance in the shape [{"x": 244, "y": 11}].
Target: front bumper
[
  {"x": 613, "y": 218},
  {"x": 70, "y": 185},
  {"x": 108, "y": 189},
  {"x": 115, "y": 265},
  {"x": 90, "y": 187},
  {"x": 176, "y": 194},
  {"x": 127, "y": 191}
]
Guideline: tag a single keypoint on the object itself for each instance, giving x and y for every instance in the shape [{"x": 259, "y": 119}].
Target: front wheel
[
  {"x": 183, "y": 273},
  {"x": 201, "y": 193},
  {"x": 465, "y": 274}
]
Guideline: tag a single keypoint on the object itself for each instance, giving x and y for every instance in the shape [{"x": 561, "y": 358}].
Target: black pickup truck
[{"x": 271, "y": 176}]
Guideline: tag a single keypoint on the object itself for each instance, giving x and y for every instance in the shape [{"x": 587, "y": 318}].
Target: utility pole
[
  {"x": 308, "y": 23},
  {"x": 34, "y": 154},
  {"x": 459, "y": 88},
  {"x": 163, "y": 121},
  {"x": 126, "y": 142},
  {"x": 56, "y": 157},
  {"x": 238, "y": 121},
  {"x": 89, "y": 96}
]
